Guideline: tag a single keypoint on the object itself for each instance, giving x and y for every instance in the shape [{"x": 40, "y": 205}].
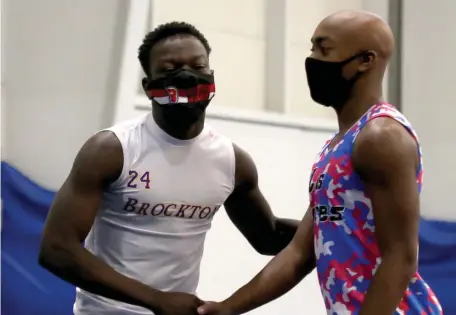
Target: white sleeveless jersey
[{"x": 153, "y": 220}]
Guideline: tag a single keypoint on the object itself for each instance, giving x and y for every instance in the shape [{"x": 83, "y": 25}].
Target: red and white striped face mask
[{"x": 185, "y": 87}]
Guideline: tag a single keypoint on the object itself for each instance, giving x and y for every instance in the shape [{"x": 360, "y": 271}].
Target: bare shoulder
[
  {"x": 246, "y": 172},
  {"x": 384, "y": 144},
  {"x": 102, "y": 144},
  {"x": 101, "y": 156},
  {"x": 97, "y": 164}
]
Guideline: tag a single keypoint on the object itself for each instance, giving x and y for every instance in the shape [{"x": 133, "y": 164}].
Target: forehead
[
  {"x": 326, "y": 32},
  {"x": 337, "y": 32},
  {"x": 178, "y": 48}
]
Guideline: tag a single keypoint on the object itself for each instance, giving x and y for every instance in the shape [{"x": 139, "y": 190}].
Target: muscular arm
[
  {"x": 71, "y": 216},
  {"x": 386, "y": 157},
  {"x": 250, "y": 212},
  {"x": 282, "y": 273}
]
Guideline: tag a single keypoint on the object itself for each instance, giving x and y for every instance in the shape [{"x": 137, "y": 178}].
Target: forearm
[
  {"x": 284, "y": 231},
  {"x": 79, "y": 267},
  {"x": 388, "y": 287},
  {"x": 281, "y": 274}
]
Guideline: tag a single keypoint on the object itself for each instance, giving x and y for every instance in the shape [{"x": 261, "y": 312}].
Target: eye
[{"x": 319, "y": 48}]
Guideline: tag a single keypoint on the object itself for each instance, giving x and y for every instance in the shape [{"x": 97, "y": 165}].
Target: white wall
[
  {"x": 59, "y": 74},
  {"x": 429, "y": 98}
]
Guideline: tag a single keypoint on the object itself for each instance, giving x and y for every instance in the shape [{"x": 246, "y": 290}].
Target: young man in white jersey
[{"x": 142, "y": 194}]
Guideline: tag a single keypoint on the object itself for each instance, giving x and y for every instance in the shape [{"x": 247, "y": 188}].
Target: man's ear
[{"x": 369, "y": 58}]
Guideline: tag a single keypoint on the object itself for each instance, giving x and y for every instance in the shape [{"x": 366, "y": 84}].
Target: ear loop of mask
[{"x": 364, "y": 55}]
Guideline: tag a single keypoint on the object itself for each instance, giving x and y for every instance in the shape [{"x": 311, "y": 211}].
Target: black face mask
[
  {"x": 182, "y": 95},
  {"x": 326, "y": 82}
]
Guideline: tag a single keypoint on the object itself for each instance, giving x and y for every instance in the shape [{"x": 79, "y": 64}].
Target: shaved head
[
  {"x": 357, "y": 31},
  {"x": 348, "y": 33},
  {"x": 350, "y": 54}
]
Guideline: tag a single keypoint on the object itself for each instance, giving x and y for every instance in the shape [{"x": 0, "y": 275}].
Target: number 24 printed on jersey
[{"x": 144, "y": 178}]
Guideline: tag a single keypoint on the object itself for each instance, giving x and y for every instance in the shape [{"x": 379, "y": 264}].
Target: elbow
[
  {"x": 266, "y": 251},
  {"x": 271, "y": 241},
  {"x": 47, "y": 253},
  {"x": 52, "y": 253},
  {"x": 405, "y": 262},
  {"x": 261, "y": 248},
  {"x": 270, "y": 247},
  {"x": 265, "y": 247},
  {"x": 275, "y": 241},
  {"x": 411, "y": 267},
  {"x": 410, "y": 261},
  {"x": 408, "y": 269}
]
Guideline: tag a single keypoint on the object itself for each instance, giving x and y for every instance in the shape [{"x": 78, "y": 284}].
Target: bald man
[{"x": 361, "y": 228}]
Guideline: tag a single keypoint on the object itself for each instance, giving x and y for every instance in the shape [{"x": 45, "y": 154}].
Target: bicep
[
  {"x": 246, "y": 206},
  {"x": 303, "y": 241},
  {"x": 395, "y": 205},
  {"x": 73, "y": 210},
  {"x": 249, "y": 211},
  {"x": 77, "y": 202}
]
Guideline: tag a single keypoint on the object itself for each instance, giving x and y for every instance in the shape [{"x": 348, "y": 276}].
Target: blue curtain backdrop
[{"x": 27, "y": 289}]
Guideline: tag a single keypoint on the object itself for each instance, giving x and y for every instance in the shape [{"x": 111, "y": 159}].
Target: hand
[
  {"x": 214, "y": 308},
  {"x": 176, "y": 303}
]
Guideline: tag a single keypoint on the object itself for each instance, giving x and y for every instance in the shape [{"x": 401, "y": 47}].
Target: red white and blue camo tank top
[{"x": 345, "y": 247}]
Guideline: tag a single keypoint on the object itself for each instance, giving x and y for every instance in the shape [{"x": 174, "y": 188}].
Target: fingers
[
  {"x": 206, "y": 308},
  {"x": 201, "y": 310}
]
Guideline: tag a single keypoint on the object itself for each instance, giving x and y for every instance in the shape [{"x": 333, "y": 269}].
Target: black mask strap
[{"x": 350, "y": 59}]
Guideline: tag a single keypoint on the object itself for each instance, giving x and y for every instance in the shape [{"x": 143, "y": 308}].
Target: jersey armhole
[
  {"x": 229, "y": 153},
  {"x": 232, "y": 168},
  {"x": 404, "y": 125},
  {"x": 407, "y": 127}
]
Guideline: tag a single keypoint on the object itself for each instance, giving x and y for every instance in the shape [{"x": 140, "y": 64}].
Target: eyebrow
[
  {"x": 319, "y": 39},
  {"x": 197, "y": 57},
  {"x": 172, "y": 58}
]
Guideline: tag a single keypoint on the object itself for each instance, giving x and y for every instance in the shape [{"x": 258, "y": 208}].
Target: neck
[
  {"x": 178, "y": 129},
  {"x": 357, "y": 106}
]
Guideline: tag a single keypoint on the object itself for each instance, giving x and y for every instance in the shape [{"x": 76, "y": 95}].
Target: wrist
[
  {"x": 230, "y": 307},
  {"x": 153, "y": 299}
]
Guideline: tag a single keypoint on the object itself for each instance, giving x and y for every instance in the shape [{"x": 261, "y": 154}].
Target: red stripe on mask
[{"x": 200, "y": 92}]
